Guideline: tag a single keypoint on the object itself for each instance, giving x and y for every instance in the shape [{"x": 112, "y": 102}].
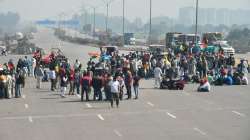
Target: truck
[
  {"x": 172, "y": 39},
  {"x": 216, "y": 39},
  {"x": 129, "y": 39},
  {"x": 188, "y": 39}
]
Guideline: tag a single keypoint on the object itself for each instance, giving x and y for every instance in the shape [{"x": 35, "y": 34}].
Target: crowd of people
[
  {"x": 12, "y": 77},
  {"x": 111, "y": 73}
]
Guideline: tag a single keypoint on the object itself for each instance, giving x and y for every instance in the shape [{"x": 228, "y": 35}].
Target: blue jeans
[
  {"x": 77, "y": 87},
  {"x": 136, "y": 90},
  {"x": 18, "y": 90},
  {"x": 86, "y": 91}
]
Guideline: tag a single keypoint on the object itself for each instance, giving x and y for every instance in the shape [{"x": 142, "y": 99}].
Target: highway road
[{"x": 222, "y": 114}]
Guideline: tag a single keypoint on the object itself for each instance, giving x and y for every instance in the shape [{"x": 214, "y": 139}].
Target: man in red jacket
[{"x": 86, "y": 85}]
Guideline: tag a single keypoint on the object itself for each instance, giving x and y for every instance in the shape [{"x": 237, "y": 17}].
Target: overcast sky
[{"x": 36, "y": 9}]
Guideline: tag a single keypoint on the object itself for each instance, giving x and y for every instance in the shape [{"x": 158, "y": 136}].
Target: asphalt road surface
[{"x": 223, "y": 114}]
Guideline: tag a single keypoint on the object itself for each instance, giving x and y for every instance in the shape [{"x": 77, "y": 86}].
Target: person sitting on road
[
  {"x": 244, "y": 80},
  {"x": 204, "y": 86},
  {"x": 237, "y": 79},
  {"x": 228, "y": 80}
]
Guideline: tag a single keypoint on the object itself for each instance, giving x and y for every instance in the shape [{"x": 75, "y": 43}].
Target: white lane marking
[
  {"x": 186, "y": 93},
  {"x": 200, "y": 131},
  {"x": 30, "y": 119},
  {"x": 88, "y": 105},
  {"x": 149, "y": 103},
  {"x": 171, "y": 115},
  {"x": 209, "y": 102},
  {"x": 79, "y": 96},
  {"x": 238, "y": 113},
  {"x": 26, "y": 106},
  {"x": 100, "y": 117},
  {"x": 118, "y": 133},
  {"x": 23, "y": 96}
]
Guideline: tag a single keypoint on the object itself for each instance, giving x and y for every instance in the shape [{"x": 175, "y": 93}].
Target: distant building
[
  {"x": 214, "y": 16},
  {"x": 187, "y": 15}
]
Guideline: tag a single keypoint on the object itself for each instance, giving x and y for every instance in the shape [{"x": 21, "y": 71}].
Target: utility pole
[
  {"x": 196, "y": 22},
  {"x": 107, "y": 16},
  {"x": 94, "y": 8},
  {"x": 150, "y": 23},
  {"x": 123, "y": 22}
]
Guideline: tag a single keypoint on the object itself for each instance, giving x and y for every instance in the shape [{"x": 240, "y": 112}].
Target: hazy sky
[{"x": 35, "y": 9}]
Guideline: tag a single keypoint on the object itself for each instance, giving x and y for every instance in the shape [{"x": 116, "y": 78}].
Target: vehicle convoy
[{"x": 211, "y": 42}]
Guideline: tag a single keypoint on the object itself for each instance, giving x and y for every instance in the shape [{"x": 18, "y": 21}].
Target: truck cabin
[
  {"x": 109, "y": 50},
  {"x": 172, "y": 38},
  {"x": 157, "y": 48},
  {"x": 212, "y": 37}
]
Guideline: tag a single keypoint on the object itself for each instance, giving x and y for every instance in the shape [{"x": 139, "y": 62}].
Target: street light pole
[
  {"x": 107, "y": 16},
  {"x": 94, "y": 8},
  {"x": 123, "y": 22},
  {"x": 150, "y": 22},
  {"x": 196, "y": 21}
]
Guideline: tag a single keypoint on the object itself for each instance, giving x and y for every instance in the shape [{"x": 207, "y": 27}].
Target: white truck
[{"x": 227, "y": 49}]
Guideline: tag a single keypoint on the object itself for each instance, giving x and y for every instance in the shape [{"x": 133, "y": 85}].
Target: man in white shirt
[
  {"x": 115, "y": 88},
  {"x": 157, "y": 76},
  {"x": 52, "y": 76},
  {"x": 77, "y": 64},
  {"x": 135, "y": 66}
]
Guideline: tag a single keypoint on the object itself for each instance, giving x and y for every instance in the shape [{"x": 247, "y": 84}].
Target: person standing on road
[
  {"x": 18, "y": 83},
  {"x": 107, "y": 89},
  {"x": 122, "y": 84},
  {"x": 33, "y": 60},
  {"x": 38, "y": 75},
  {"x": 52, "y": 76},
  {"x": 77, "y": 79},
  {"x": 77, "y": 64},
  {"x": 128, "y": 83},
  {"x": 114, "y": 92},
  {"x": 136, "y": 80},
  {"x": 97, "y": 85},
  {"x": 71, "y": 81},
  {"x": 230, "y": 64},
  {"x": 86, "y": 85},
  {"x": 157, "y": 76},
  {"x": 64, "y": 81}
]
